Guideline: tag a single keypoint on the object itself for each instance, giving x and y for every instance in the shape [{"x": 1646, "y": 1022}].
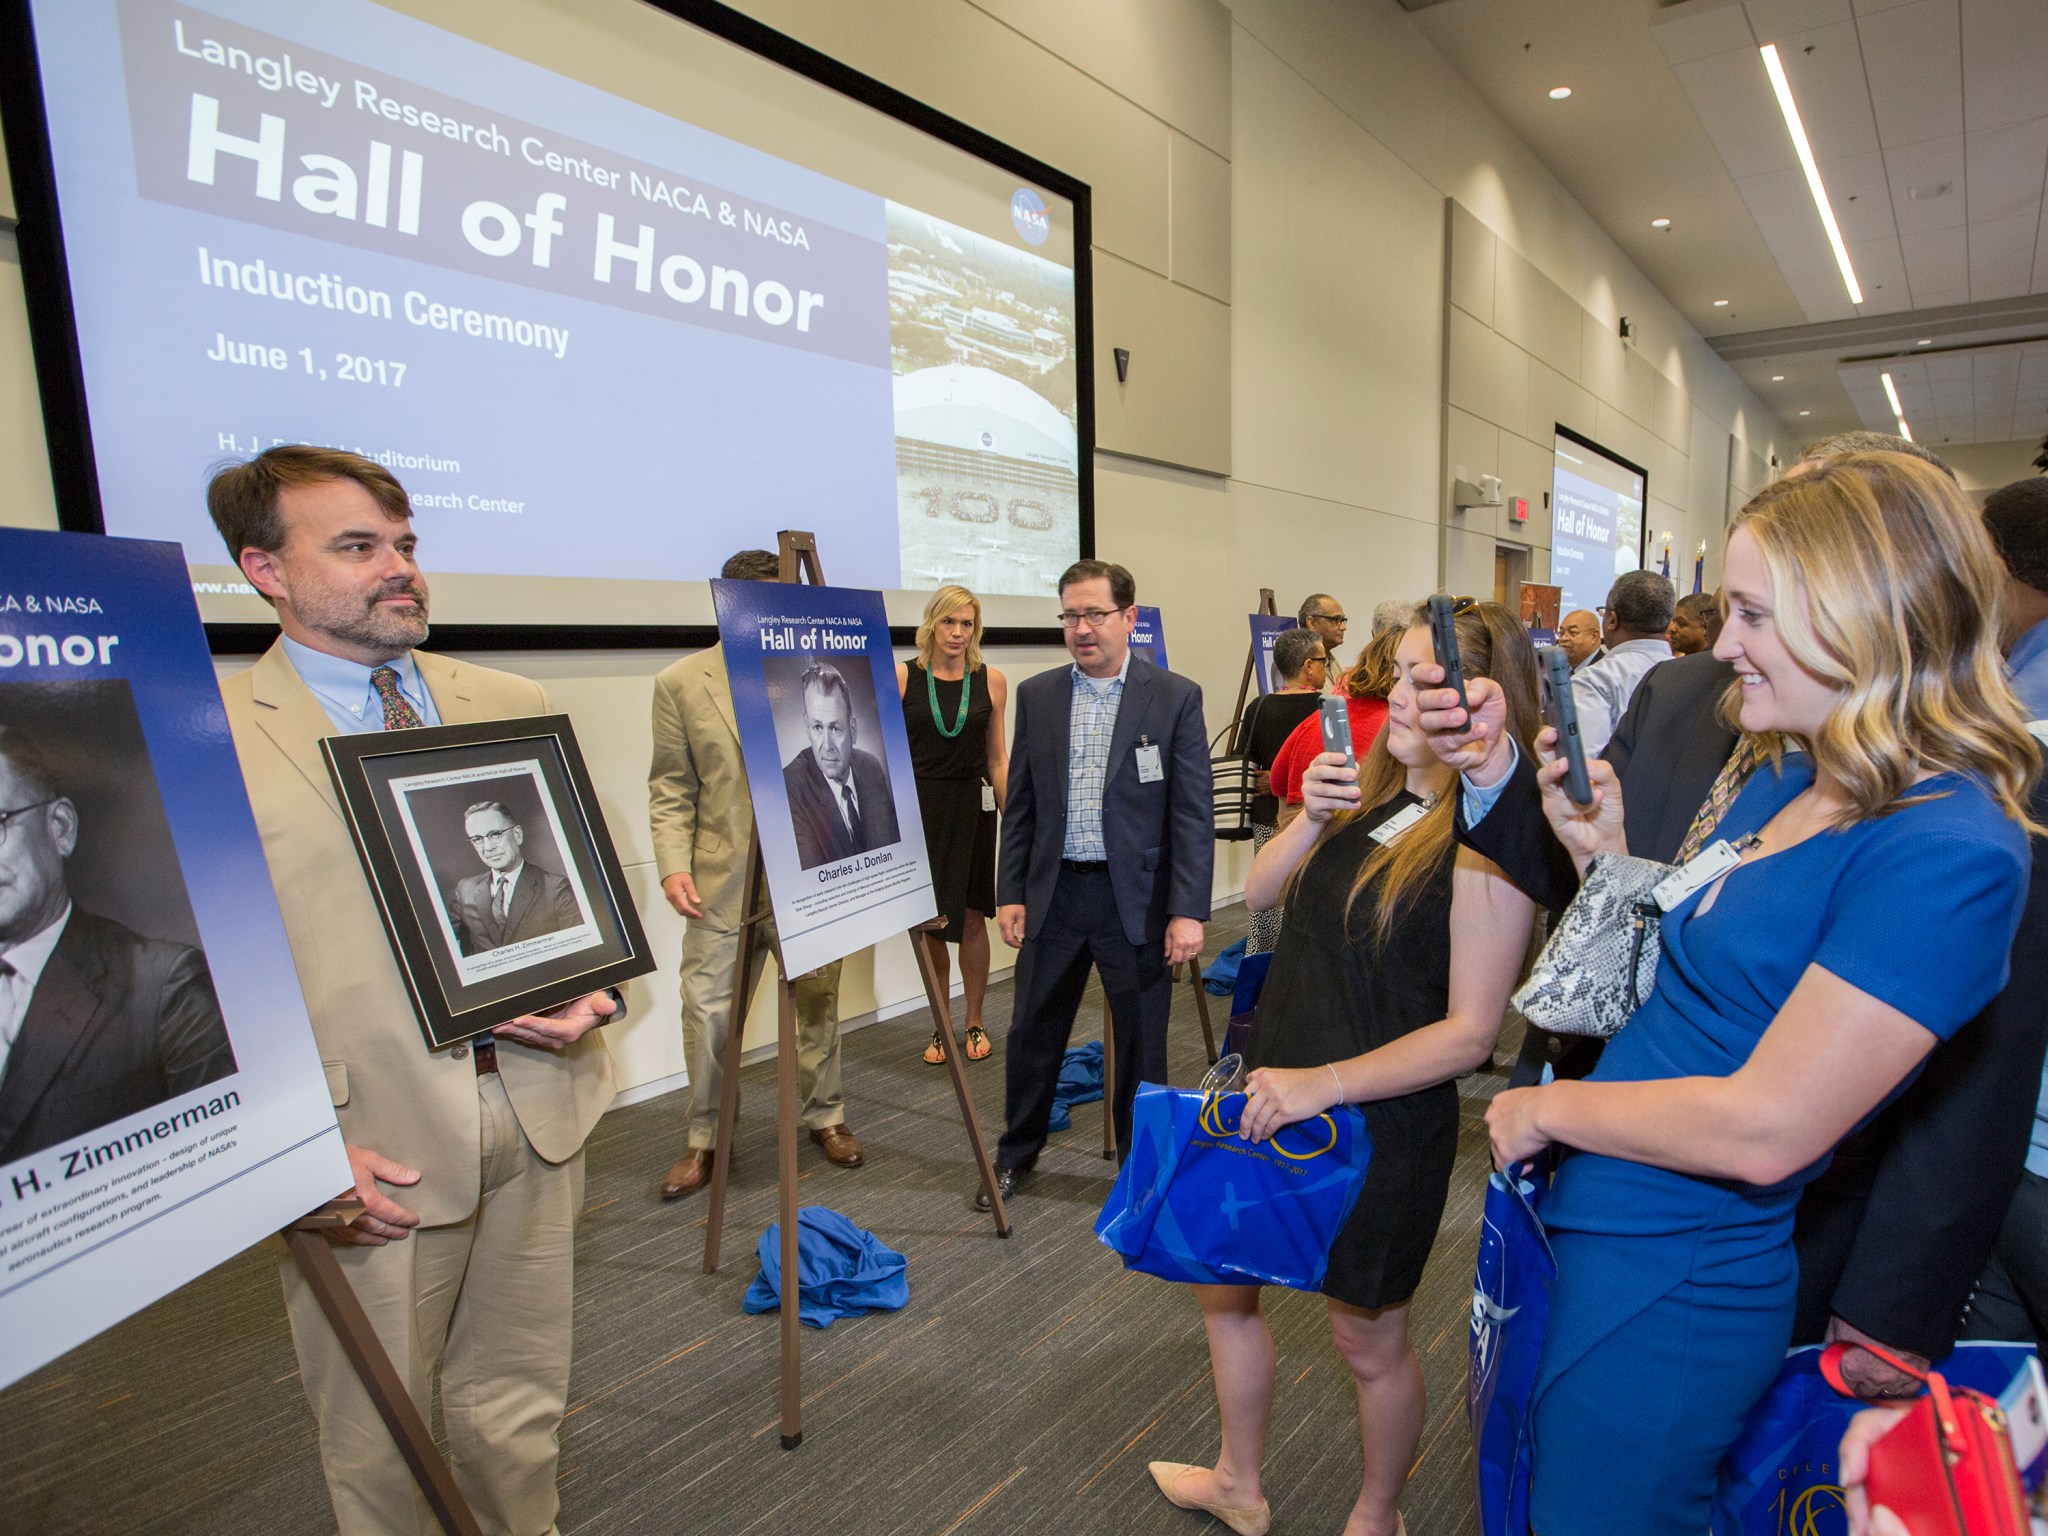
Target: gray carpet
[{"x": 1023, "y": 1389}]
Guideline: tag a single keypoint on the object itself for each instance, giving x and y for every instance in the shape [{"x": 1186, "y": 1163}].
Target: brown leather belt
[{"x": 485, "y": 1054}]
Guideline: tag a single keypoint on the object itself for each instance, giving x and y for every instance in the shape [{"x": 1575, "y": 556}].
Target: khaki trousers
[
  {"x": 709, "y": 961},
  {"x": 487, "y": 1301}
]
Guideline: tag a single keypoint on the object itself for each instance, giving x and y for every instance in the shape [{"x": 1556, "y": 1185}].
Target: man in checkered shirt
[{"x": 1107, "y": 852}]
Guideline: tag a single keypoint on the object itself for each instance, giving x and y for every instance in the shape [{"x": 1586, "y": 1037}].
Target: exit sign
[{"x": 1518, "y": 509}]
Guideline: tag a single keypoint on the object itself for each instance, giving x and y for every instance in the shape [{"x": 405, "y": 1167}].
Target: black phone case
[
  {"x": 1555, "y": 670},
  {"x": 1443, "y": 634}
]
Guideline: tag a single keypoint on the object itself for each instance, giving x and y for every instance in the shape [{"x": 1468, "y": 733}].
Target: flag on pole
[
  {"x": 1699, "y": 567},
  {"x": 1664, "y": 564}
]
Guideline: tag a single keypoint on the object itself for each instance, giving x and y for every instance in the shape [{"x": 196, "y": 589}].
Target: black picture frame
[
  {"x": 1587, "y": 443},
  {"x": 407, "y": 797},
  {"x": 60, "y": 368}
]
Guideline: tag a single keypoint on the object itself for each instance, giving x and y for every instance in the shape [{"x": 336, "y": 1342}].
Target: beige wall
[{"x": 1271, "y": 183}]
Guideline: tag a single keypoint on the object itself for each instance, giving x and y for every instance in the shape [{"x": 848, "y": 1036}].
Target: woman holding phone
[
  {"x": 953, "y": 711},
  {"x": 1390, "y": 981},
  {"x": 1857, "y": 908}
]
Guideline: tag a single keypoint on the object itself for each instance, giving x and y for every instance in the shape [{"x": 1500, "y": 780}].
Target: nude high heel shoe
[{"x": 1245, "y": 1519}]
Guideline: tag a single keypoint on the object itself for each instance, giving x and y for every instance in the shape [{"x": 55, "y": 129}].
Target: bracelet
[{"x": 1336, "y": 1079}]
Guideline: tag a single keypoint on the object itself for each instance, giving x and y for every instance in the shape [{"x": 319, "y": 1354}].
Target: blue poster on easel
[
  {"x": 1267, "y": 628},
  {"x": 163, "y": 1106},
  {"x": 828, "y": 764},
  {"x": 1148, "y": 637}
]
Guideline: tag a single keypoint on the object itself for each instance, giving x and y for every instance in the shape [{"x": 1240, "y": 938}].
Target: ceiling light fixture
[
  {"x": 1559, "y": 92},
  {"x": 1777, "y": 378},
  {"x": 1806, "y": 413},
  {"x": 1783, "y": 87},
  {"x": 1925, "y": 341},
  {"x": 1660, "y": 223},
  {"x": 1891, "y": 395},
  {"x": 1720, "y": 303}
]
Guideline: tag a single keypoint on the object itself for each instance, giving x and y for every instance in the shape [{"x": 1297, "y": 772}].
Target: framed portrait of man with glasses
[{"x": 494, "y": 871}]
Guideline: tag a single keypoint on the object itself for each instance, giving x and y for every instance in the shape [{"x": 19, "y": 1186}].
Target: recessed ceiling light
[
  {"x": 1782, "y": 87},
  {"x": 1806, "y": 413},
  {"x": 1559, "y": 92},
  {"x": 1924, "y": 341},
  {"x": 1777, "y": 378},
  {"x": 1660, "y": 223},
  {"x": 1720, "y": 303}
]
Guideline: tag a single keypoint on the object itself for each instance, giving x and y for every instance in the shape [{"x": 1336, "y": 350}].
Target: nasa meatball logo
[
  {"x": 1027, "y": 212},
  {"x": 988, "y": 439}
]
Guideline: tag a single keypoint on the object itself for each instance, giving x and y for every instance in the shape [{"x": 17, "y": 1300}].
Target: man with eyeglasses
[
  {"x": 472, "y": 1276},
  {"x": 1325, "y": 615},
  {"x": 1107, "y": 851},
  {"x": 96, "y": 1021},
  {"x": 1578, "y": 636},
  {"x": 512, "y": 899}
]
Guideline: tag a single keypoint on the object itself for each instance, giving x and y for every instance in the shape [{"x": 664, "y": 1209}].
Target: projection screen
[{"x": 612, "y": 294}]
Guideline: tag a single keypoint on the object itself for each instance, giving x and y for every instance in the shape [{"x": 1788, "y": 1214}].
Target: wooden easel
[
  {"x": 799, "y": 553},
  {"x": 1251, "y": 660},
  {"x": 307, "y": 1241}
]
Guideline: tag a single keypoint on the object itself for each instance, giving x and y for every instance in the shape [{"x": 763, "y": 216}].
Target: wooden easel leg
[
  {"x": 735, "y": 1051},
  {"x": 1202, "y": 1007},
  {"x": 942, "y": 1021},
  {"x": 1108, "y": 1082},
  {"x": 786, "y": 1113},
  {"x": 379, "y": 1376}
]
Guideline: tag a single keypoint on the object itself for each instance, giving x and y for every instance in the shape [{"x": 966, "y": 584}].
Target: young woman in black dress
[
  {"x": 953, "y": 710},
  {"x": 1390, "y": 981}
]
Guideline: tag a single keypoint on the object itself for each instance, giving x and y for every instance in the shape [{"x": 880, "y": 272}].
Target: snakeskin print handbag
[{"x": 1601, "y": 961}]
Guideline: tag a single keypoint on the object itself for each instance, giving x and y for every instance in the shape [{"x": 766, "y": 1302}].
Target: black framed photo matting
[{"x": 492, "y": 868}]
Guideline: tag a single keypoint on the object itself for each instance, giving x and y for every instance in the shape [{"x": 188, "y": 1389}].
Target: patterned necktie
[
  {"x": 852, "y": 812},
  {"x": 399, "y": 715},
  {"x": 501, "y": 889},
  {"x": 1727, "y": 785}
]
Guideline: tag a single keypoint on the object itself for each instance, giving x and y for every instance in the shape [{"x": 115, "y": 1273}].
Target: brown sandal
[
  {"x": 935, "y": 1053},
  {"x": 977, "y": 1036}
]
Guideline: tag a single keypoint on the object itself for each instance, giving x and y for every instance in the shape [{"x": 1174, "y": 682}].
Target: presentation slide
[
  {"x": 1596, "y": 502},
  {"x": 603, "y": 341}
]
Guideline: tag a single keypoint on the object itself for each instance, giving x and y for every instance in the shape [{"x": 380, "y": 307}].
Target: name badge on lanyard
[
  {"x": 988, "y": 797},
  {"x": 1704, "y": 868},
  {"x": 1398, "y": 823},
  {"x": 1150, "y": 770}
]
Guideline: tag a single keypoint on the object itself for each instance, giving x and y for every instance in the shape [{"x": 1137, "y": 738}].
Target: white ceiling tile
[
  {"x": 2040, "y": 282},
  {"x": 1825, "y": 66},
  {"x": 2005, "y": 169},
  {"x": 1816, "y": 282},
  {"x": 1924, "y": 168},
  {"x": 1913, "y": 56},
  {"x": 1732, "y": 95},
  {"x": 1772, "y": 19},
  {"x": 2005, "y": 61},
  {"x": 2002, "y": 257},
  {"x": 1698, "y": 33},
  {"x": 1872, "y": 7},
  {"x": 1937, "y": 261},
  {"x": 1860, "y": 195},
  {"x": 1784, "y": 212},
  {"x": 1881, "y": 269}
]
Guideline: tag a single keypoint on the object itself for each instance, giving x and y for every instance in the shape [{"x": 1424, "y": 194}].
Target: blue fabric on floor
[
  {"x": 1219, "y": 977},
  {"x": 1080, "y": 1083},
  {"x": 841, "y": 1271}
]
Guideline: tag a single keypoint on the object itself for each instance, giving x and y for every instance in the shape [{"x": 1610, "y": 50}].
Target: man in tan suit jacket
[
  {"x": 472, "y": 1274},
  {"x": 703, "y": 822}
]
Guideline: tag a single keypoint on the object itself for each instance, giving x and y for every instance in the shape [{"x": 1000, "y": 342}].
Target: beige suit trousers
[
  {"x": 710, "y": 958},
  {"x": 487, "y": 1300}
]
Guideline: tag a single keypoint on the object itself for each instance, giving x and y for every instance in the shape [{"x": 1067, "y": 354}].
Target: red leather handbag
[{"x": 1946, "y": 1468}]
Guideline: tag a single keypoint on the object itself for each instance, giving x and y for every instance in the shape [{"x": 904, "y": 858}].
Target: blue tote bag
[
  {"x": 1781, "y": 1475},
  {"x": 1510, "y": 1316},
  {"x": 1196, "y": 1202}
]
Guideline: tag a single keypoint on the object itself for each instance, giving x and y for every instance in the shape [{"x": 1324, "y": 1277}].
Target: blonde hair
[
  {"x": 946, "y": 602},
  {"x": 1491, "y": 643},
  {"x": 1901, "y": 593}
]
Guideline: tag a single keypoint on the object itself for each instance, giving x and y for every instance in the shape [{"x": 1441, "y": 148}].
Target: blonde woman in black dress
[
  {"x": 953, "y": 710},
  {"x": 1390, "y": 980}
]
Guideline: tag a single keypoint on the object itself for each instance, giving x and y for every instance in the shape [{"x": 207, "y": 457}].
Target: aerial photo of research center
[{"x": 986, "y": 768}]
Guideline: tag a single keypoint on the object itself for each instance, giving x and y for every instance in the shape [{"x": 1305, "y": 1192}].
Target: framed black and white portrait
[{"x": 492, "y": 867}]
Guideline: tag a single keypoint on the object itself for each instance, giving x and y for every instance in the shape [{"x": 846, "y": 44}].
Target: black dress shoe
[{"x": 1008, "y": 1181}]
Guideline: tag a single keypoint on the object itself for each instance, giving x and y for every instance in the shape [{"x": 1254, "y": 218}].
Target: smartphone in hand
[
  {"x": 1336, "y": 714},
  {"x": 1443, "y": 633},
  {"x": 1561, "y": 709}
]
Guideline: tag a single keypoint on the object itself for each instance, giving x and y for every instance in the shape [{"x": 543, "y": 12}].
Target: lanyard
[{"x": 931, "y": 690}]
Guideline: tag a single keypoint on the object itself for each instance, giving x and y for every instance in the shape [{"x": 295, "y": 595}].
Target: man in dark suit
[
  {"x": 838, "y": 795},
  {"x": 1892, "y": 1237},
  {"x": 1107, "y": 850},
  {"x": 96, "y": 1023},
  {"x": 512, "y": 899}
]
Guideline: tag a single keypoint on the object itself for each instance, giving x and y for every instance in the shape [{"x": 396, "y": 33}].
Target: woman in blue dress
[{"x": 1881, "y": 861}]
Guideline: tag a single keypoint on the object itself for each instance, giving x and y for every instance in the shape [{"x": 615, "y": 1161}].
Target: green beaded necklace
[{"x": 931, "y": 690}]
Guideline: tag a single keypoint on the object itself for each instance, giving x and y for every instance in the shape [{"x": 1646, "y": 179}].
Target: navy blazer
[{"x": 1160, "y": 836}]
